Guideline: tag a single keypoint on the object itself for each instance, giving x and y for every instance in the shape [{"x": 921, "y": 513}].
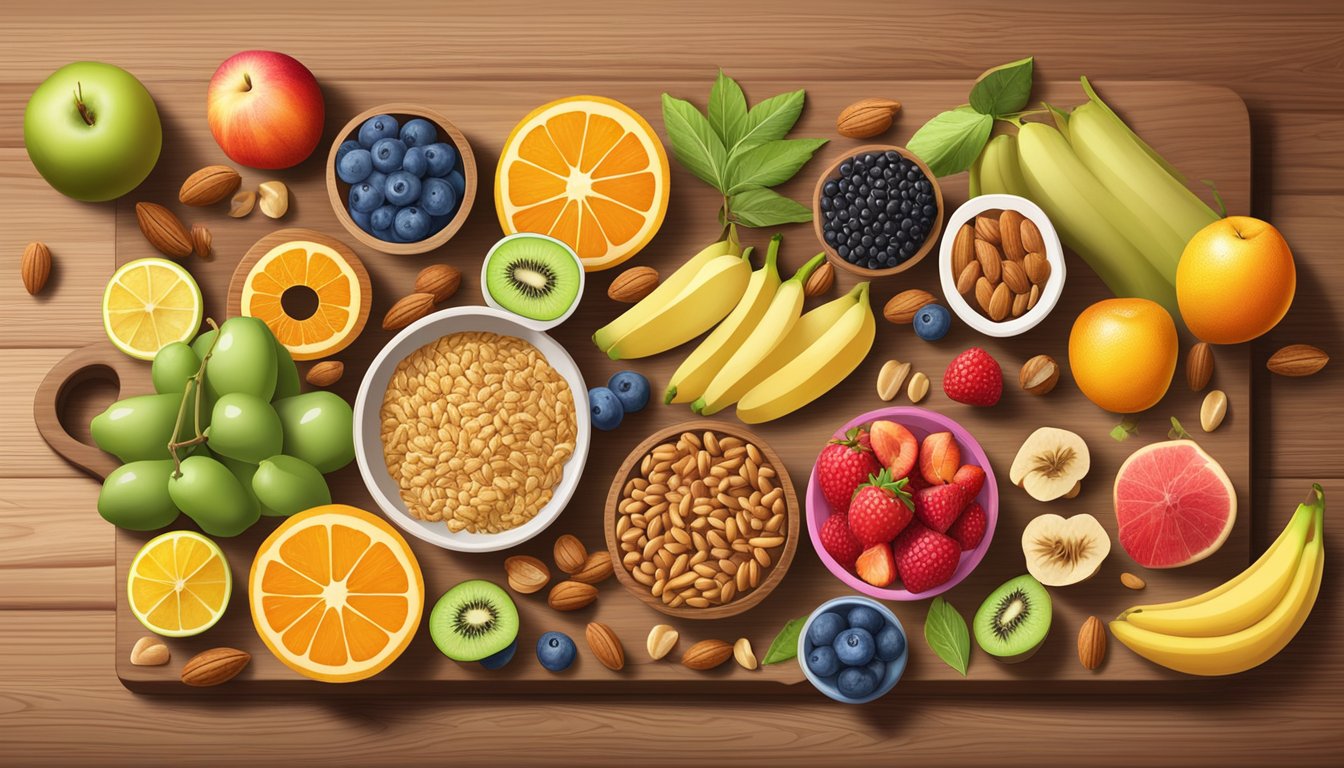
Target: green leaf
[
  {"x": 1003, "y": 89},
  {"x": 785, "y": 644},
  {"x": 762, "y": 207},
  {"x": 770, "y": 120},
  {"x": 768, "y": 164},
  {"x": 727, "y": 109},
  {"x": 950, "y": 142},
  {"x": 1125, "y": 429},
  {"x": 695, "y": 143},
  {"x": 1177, "y": 432},
  {"x": 946, "y": 633}
]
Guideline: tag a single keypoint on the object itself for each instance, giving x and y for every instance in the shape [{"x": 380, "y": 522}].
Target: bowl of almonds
[
  {"x": 702, "y": 520},
  {"x": 1001, "y": 264}
]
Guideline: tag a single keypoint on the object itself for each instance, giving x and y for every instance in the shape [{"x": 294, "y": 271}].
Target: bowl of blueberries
[
  {"x": 877, "y": 211},
  {"x": 853, "y": 649},
  {"x": 401, "y": 178}
]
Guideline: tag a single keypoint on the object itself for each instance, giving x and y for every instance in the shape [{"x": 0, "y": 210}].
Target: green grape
[
  {"x": 318, "y": 428},
  {"x": 210, "y": 494},
  {"x": 135, "y": 496},
  {"x": 244, "y": 472},
  {"x": 244, "y": 427},
  {"x": 243, "y": 359},
  {"x": 286, "y": 373},
  {"x": 137, "y": 428},
  {"x": 289, "y": 485},
  {"x": 173, "y": 366}
]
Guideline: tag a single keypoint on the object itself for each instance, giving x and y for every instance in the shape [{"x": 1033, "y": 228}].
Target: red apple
[
  {"x": 939, "y": 458},
  {"x": 895, "y": 447},
  {"x": 265, "y": 109}
]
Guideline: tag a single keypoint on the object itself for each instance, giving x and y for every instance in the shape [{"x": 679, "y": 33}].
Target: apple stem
[
  {"x": 84, "y": 110},
  {"x": 247, "y": 81}
]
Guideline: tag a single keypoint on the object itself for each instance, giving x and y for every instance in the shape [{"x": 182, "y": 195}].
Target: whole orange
[
  {"x": 1235, "y": 281},
  {"x": 1122, "y": 353}
]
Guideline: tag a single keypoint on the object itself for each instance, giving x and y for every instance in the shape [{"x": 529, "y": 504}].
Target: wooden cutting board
[{"x": 1203, "y": 130}]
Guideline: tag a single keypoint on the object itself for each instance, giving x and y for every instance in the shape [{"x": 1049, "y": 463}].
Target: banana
[
  {"x": 806, "y": 331},
  {"x": 699, "y": 368},
  {"x": 736, "y": 376},
  {"x": 665, "y": 292},
  {"x": 997, "y": 168},
  {"x": 819, "y": 367}
]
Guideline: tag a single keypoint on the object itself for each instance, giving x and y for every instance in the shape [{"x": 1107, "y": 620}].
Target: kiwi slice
[
  {"x": 473, "y": 620},
  {"x": 1014, "y": 620},
  {"x": 533, "y": 276}
]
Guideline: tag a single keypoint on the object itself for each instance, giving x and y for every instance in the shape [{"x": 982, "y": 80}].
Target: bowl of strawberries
[{"x": 902, "y": 503}]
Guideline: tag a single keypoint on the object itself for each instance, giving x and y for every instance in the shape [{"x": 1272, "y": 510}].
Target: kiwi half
[
  {"x": 473, "y": 620},
  {"x": 533, "y": 276},
  {"x": 1014, "y": 620}
]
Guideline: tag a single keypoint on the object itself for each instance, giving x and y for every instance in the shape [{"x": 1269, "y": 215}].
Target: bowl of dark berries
[
  {"x": 877, "y": 211},
  {"x": 401, "y": 178},
  {"x": 853, "y": 649}
]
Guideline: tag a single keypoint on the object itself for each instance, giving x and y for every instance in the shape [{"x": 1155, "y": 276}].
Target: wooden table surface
[{"x": 60, "y": 701}]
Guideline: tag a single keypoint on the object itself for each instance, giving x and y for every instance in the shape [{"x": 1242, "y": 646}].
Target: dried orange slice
[
  {"x": 336, "y": 593},
  {"x": 588, "y": 171},
  {"x": 310, "y": 295}
]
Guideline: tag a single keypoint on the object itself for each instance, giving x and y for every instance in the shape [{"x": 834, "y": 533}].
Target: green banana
[{"x": 997, "y": 170}]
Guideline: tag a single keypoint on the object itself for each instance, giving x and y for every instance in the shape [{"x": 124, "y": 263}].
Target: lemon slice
[
  {"x": 149, "y": 304},
  {"x": 179, "y": 584}
]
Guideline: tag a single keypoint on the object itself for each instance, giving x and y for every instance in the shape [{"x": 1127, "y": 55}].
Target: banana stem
[
  {"x": 772, "y": 251},
  {"x": 198, "y": 380},
  {"x": 807, "y": 269}
]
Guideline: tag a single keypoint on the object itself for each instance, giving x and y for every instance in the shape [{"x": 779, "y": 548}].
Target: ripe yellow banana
[
  {"x": 666, "y": 291},
  {"x": 997, "y": 171},
  {"x": 818, "y": 368},
  {"x": 810, "y": 327},
  {"x": 736, "y": 376},
  {"x": 698, "y": 369},
  {"x": 1256, "y": 643}
]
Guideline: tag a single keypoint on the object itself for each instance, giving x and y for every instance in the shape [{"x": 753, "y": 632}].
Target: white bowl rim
[
  {"x": 1054, "y": 253},
  {"x": 527, "y": 322},
  {"x": 375, "y": 473}
]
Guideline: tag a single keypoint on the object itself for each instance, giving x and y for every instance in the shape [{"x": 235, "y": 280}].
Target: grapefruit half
[{"x": 1174, "y": 504}]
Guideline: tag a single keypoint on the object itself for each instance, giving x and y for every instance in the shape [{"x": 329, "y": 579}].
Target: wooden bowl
[
  {"x": 777, "y": 570},
  {"x": 338, "y": 190},
  {"x": 930, "y": 240}
]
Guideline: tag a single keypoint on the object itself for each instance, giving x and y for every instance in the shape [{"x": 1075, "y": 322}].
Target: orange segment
[
  {"x": 537, "y": 148},
  {"x": 179, "y": 584},
  {"x": 342, "y": 301}
]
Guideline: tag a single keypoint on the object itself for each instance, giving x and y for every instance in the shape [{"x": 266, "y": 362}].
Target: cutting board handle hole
[{"x": 84, "y": 396}]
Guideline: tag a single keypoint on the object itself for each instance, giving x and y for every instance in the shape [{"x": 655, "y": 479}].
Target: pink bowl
[{"x": 921, "y": 422}]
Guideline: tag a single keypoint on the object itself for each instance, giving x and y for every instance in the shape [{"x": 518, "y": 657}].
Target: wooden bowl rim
[
  {"x": 459, "y": 141},
  {"x": 929, "y": 242},
  {"x": 777, "y": 570}
]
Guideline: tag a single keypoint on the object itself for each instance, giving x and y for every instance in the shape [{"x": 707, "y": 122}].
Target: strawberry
[
  {"x": 839, "y": 541},
  {"x": 973, "y": 378},
  {"x": 877, "y": 566},
  {"x": 971, "y": 478},
  {"x": 925, "y": 558},
  {"x": 896, "y": 448},
  {"x": 880, "y": 510},
  {"x": 939, "y": 505},
  {"x": 917, "y": 481},
  {"x": 939, "y": 457},
  {"x": 969, "y": 529},
  {"x": 843, "y": 465}
]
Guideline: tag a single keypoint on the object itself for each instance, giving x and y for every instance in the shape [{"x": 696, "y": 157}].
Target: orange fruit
[
  {"x": 313, "y": 298},
  {"x": 1122, "y": 353},
  {"x": 588, "y": 171},
  {"x": 1235, "y": 281},
  {"x": 336, "y": 593}
]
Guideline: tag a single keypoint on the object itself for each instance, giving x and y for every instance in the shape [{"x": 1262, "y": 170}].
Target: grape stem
[{"x": 195, "y": 392}]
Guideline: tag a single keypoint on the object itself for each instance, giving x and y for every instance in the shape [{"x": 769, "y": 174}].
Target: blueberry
[
  {"x": 402, "y": 188},
  {"x": 441, "y": 158},
  {"x": 410, "y": 224},
  {"x": 825, "y": 627},
  {"x": 364, "y": 197},
  {"x": 556, "y": 651},
  {"x": 822, "y": 661},
  {"x": 854, "y": 647},
  {"x": 606, "y": 408},
  {"x": 632, "y": 389},
  {"x": 355, "y": 166},
  {"x": 387, "y": 154},
  {"x": 385, "y": 235},
  {"x": 375, "y": 128},
  {"x": 414, "y": 161},
  {"x": 437, "y": 223},
  {"x": 856, "y": 682},
  {"x": 498, "y": 660},
  {"x": 932, "y": 322},
  {"x": 437, "y": 196},
  {"x": 382, "y": 216},
  {"x": 418, "y": 132},
  {"x": 867, "y": 618},
  {"x": 347, "y": 146},
  {"x": 459, "y": 183},
  {"x": 377, "y": 179},
  {"x": 362, "y": 219},
  {"x": 878, "y": 667},
  {"x": 890, "y": 643}
]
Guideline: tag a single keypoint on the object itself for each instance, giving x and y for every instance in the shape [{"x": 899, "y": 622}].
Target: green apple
[{"x": 92, "y": 131}]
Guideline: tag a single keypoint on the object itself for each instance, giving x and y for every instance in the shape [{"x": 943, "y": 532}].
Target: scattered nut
[
  {"x": 1131, "y": 581},
  {"x": 407, "y": 310},
  {"x": 215, "y": 666},
  {"x": 570, "y": 554},
  {"x": 919, "y": 387},
  {"x": 571, "y": 596},
  {"x": 866, "y": 118},
  {"x": 163, "y": 230},
  {"x": 743, "y": 654},
  {"x": 1092, "y": 643},
  {"x": 242, "y": 203},
  {"x": 633, "y": 284},
  {"x": 1039, "y": 375},
  {"x": 35, "y": 268},
  {"x": 891, "y": 379},
  {"x": 820, "y": 281},
  {"x": 200, "y": 241},
  {"x": 662, "y": 639},
  {"x": 606, "y": 646},
  {"x": 596, "y": 569},
  {"x": 1199, "y": 366},
  {"x": 526, "y": 574},
  {"x": 325, "y": 373},
  {"x": 273, "y": 198},
  {"x": 150, "y": 652},
  {"x": 902, "y": 307},
  {"x": 1213, "y": 410},
  {"x": 1297, "y": 360},
  {"x": 706, "y": 654},
  {"x": 209, "y": 185},
  {"x": 438, "y": 280}
]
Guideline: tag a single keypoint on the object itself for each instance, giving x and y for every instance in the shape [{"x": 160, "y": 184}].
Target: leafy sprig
[
  {"x": 946, "y": 633},
  {"x": 950, "y": 142}
]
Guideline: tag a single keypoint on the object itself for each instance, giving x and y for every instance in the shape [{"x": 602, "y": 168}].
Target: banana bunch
[{"x": 1244, "y": 622}]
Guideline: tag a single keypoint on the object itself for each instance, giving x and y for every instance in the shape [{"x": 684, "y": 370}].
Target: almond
[
  {"x": 209, "y": 185},
  {"x": 150, "y": 651},
  {"x": 633, "y": 284},
  {"x": 35, "y": 268},
  {"x": 242, "y": 203},
  {"x": 325, "y": 373},
  {"x": 820, "y": 281},
  {"x": 987, "y": 229},
  {"x": 570, "y": 554},
  {"x": 1031, "y": 236},
  {"x": 201, "y": 241},
  {"x": 596, "y": 569},
  {"x": 1000, "y": 303},
  {"x": 526, "y": 574},
  {"x": 215, "y": 666},
  {"x": 662, "y": 639},
  {"x": 1037, "y": 268},
  {"x": 867, "y": 118},
  {"x": 1015, "y": 277},
  {"x": 991, "y": 263},
  {"x": 963, "y": 249},
  {"x": 1298, "y": 360},
  {"x": 1092, "y": 643},
  {"x": 1033, "y": 297},
  {"x": 438, "y": 280},
  {"x": 571, "y": 596},
  {"x": 1019, "y": 306},
  {"x": 902, "y": 307},
  {"x": 707, "y": 654},
  {"x": 1131, "y": 581},
  {"x": 1010, "y": 235},
  {"x": 606, "y": 646},
  {"x": 968, "y": 277},
  {"x": 1039, "y": 375},
  {"x": 163, "y": 230},
  {"x": 1199, "y": 366},
  {"x": 984, "y": 291},
  {"x": 407, "y": 310}
]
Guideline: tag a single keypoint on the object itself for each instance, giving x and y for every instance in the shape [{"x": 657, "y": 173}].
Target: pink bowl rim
[{"x": 988, "y": 498}]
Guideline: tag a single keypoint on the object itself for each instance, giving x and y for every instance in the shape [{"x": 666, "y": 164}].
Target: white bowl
[
  {"x": 1054, "y": 253},
  {"x": 537, "y": 325},
  {"x": 369, "y": 442}
]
